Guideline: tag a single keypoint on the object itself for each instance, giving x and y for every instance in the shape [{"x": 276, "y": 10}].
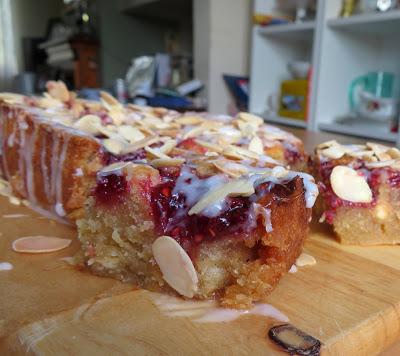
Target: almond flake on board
[
  {"x": 348, "y": 185},
  {"x": 305, "y": 260},
  {"x": 237, "y": 187},
  {"x": 176, "y": 266},
  {"x": 40, "y": 244}
]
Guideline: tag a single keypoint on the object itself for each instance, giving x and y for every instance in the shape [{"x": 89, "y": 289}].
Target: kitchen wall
[
  {"x": 123, "y": 37},
  {"x": 29, "y": 19},
  {"x": 221, "y": 46}
]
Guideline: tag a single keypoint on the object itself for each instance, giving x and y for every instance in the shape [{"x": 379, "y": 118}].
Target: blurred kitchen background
[{"x": 321, "y": 65}]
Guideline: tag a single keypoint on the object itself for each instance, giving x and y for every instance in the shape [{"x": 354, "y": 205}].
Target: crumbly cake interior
[{"x": 371, "y": 221}]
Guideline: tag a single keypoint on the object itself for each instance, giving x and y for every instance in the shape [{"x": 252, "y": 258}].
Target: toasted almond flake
[
  {"x": 12, "y": 98},
  {"x": 14, "y": 200},
  {"x": 114, "y": 168},
  {"x": 322, "y": 218},
  {"x": 58, "y": 90},
  {"x": 247, "y": 129},
  {"x": 89, "y": 124},
  {"x": 168, "y": 146},
  {"x": 361, "y": 154},
  {"x": 156, "y": 152},
  {"x": 305, "y": 260},
  {"x": 176, "y": 266},
  {"x": 130, "y": 133},
  {"x": 40, "y": 244},
  {"x": 211, "y": 146},
  {"x": 334, "y": 151},
  {"x": 189, "y": 120},
  {"x": 167, "y": 162},
  {"x": 196, "y": 131},
  {"x": 211, "y": 154},
  {"x": 393, "y": 152},
  {"x": 380, "y": 164},
  {"x": 117, "y": 115},
  {"x": 256, "y": 145},
  {"x": 245, "y": 116},
  {"x": 233, "y": 169},
  {"x": 237, "y": 152},
  {"x": 143, "y": 143},
  {"x": 109, "y": 99},
  {"x": 237, "y": 187},
  {"x": 348, "y": 185},
  {"x": 114, "y": 146},
  {"x": 327, "y": 144}
]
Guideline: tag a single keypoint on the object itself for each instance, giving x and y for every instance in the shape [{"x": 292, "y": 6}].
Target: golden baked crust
[
  {"x": 48, "y": 164},
  {"x": 359, "y": 223}
]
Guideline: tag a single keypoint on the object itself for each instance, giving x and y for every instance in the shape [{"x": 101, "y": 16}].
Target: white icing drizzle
[
  {"x": 293, "y": 269},
  {"x": 44, "y": 169},
  {"x": 208, "y": 311},
  {"x": 6, "y": 266},
  {"x": 28, "y": 154},
  {"x": 59, "y": 208},
  {"x": 266, "y": 216}
]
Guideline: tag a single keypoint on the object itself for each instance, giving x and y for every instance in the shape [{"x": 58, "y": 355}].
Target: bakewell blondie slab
[
  {"x": 360, "y": 191},
  {"x": 191, "y": 203}
]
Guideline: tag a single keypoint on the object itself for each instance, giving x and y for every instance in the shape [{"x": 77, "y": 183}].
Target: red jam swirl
[{"x": 110, "y": 189}]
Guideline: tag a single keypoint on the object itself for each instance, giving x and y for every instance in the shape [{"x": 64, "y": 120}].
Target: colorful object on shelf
[
  {"x": 349, "y": 8},
  {"x": 375, "y": 97},
  {"x": 267, "y": 20},
  {"x": 294, "y": 99}
]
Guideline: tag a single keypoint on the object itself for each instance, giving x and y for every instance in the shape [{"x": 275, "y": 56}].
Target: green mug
[{"x": 379, "y": 84}]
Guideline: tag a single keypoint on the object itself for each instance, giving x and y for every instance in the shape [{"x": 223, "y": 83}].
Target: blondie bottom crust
[{"x": 360, "y": 191}]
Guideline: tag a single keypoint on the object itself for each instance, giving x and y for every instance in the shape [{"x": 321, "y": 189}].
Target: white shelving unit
[{"x": 340, "y": 49}]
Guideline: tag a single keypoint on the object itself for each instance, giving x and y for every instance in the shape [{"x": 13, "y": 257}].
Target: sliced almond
[
  {"x": 334, "y": 151},
  {"x": 237, "y": 152},
  {"x": 327, "y": 144},
  {"x": 156, "y": 152},
  {"x": 256, "y": 145},
  {"x": 114, "y": 168},
  {"x": 245, "y": 116},
  {"x": 189, "y": 120},
  {"x": 168, "y": 146},
  {"x": 114, "y": 146},
  {"x": 40, "y": 244},
  {"x": 348, "y": 185},
  {"x": 142, "y": 143},
  {"x": 247, "y": 129},
  {"x": 233, "y": 169},
  {"x": 130, "y": 133},
  {"x": 89, "y": 124},
  {"x": 196, "y": 131},
  {"x": 58, "y": 90},
  {"x": 176, "y": 266},
  {"x": 380, "y": 164},
  {"x": 305, "y": 260},
  {"x": 109, "y": 99},
  {"x": 167, "y": 162},
  {"x": 211, "y": 146},
  {"x": 238, "y": 187},
  {"x": 393, "y": 152}
]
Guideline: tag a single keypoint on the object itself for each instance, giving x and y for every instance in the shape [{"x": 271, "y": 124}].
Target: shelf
[
  {"x": 284, "y": 121},
  {"x": 377, "y": 132},
  {"x": 382, "y": 23},
  {"x": 303, "y": 31}
]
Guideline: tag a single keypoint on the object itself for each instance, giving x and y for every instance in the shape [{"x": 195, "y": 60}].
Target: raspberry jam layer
[{"x": 110, "y": 189}]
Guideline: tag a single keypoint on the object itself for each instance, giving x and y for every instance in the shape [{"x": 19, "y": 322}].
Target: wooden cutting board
[{"x": 349, "y": 300}]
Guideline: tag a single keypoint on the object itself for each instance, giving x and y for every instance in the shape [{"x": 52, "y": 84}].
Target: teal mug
[{"x": 379, "y": 84}]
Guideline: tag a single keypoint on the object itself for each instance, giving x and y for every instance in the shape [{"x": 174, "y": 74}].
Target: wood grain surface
[{"x": 350, "y": 300}]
